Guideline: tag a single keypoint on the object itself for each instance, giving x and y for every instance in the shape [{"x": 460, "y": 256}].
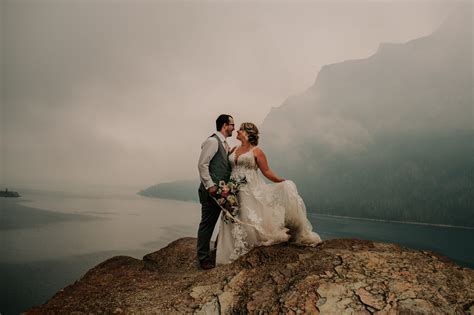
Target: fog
[{"x": 123, "y": 93}]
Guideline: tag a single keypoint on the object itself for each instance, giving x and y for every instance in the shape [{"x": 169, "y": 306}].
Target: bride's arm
[{"x": 263, "y": 165}]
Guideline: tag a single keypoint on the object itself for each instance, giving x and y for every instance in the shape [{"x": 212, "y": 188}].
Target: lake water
[{"x": 50, "y": 239}]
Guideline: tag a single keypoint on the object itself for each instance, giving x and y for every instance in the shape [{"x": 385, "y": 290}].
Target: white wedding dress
[{"x": 271, "y": 213}]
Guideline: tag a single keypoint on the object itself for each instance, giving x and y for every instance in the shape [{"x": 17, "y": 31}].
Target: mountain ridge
[{"x": 348, "y": 141}]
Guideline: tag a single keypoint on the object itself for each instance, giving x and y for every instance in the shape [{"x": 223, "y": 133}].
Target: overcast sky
[{"x": 122, "y": 93}]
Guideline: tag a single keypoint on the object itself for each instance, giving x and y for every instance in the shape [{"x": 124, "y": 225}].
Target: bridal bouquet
[{"x": 226, "y": 198}]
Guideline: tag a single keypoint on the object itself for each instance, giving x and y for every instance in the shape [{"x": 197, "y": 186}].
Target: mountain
[
  {"x": 185, "y": 190},
  {"x": 338, "y": 276},
  {"x": 390, "y": 136}
]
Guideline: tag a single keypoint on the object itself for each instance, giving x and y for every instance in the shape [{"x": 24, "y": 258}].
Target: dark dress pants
[{"x": 209, "y": 214}]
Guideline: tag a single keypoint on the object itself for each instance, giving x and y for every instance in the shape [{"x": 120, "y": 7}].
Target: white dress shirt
[{"x": 208, "y": 150}]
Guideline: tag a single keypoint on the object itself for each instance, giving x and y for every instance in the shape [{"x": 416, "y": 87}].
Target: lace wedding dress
[{"x": 271, "y": 213}]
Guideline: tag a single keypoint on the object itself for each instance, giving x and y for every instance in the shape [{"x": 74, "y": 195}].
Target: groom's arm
[{"x": 208, "y": 150}]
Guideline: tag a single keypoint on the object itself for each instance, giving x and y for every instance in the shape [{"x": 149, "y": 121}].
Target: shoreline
[
  {"x": 357, "y": 218},
  {"x": 393, "y": 221}
]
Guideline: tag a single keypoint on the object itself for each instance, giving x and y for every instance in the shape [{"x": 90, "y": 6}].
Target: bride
[{"x": 270, "y": 213}]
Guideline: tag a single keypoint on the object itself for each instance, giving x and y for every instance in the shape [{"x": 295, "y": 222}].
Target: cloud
[{"x": 123, "y": 93}]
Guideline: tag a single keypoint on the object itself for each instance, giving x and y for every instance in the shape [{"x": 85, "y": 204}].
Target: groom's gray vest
[{"x": 219, "y": 168}]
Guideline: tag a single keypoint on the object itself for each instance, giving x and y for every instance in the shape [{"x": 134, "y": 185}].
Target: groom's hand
[{"x": 212, "y": 191}]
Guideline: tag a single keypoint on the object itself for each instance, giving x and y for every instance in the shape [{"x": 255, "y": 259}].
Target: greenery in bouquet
[{"x": 226, "y": 197}]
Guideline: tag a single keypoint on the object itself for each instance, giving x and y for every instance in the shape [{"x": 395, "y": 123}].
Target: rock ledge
[{"x": 337, "y": 276}]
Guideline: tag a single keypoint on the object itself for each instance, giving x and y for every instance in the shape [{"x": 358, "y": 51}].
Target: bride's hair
[{"x": 252, "y": 132}]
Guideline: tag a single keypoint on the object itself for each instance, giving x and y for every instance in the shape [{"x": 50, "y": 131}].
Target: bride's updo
[{"x": 252, "y": 132}]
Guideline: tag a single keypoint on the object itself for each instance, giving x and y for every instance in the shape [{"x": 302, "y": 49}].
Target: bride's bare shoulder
[{"x": 257, "y": 151}]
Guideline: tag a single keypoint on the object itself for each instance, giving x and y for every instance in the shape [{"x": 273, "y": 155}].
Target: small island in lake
[{"x": 7, "y": 193}]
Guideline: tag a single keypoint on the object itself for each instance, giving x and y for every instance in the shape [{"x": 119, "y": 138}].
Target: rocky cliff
[{"x": 337, "y": 276}]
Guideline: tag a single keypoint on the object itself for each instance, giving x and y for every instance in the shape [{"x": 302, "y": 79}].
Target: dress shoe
[{"x": 206, "y": 264}]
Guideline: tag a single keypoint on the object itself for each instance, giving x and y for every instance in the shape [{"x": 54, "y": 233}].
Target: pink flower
[{"x": 225, "y": 194}]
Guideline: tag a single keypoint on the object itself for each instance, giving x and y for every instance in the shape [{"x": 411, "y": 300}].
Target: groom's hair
[{"x": 221, "y": 120}]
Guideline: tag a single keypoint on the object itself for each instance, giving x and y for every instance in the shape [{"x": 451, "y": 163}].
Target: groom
[{"x": 213, "y": 166}]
